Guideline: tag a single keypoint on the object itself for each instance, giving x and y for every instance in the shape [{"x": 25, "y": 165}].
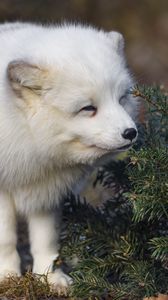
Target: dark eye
[
  {"x": 89, "y": 108},
  {"x": 123, "y": 100}
]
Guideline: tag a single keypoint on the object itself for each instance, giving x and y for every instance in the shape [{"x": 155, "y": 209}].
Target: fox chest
[{"x": 43, "y": 195}]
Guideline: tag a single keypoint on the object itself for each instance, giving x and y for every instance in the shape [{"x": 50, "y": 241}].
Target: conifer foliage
[{"x": 120, "y": 250}]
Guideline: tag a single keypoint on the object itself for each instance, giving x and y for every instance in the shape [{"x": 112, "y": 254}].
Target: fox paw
[{"x": 59, "y": 281}]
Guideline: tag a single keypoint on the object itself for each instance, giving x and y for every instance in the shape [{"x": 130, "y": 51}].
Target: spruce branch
[
  {"x": 159, "y": 247},
  {"x": 154, "y": 96}
]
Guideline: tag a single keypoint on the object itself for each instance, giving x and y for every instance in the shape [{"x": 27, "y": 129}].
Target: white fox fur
[{"x": 48, "y": 76}]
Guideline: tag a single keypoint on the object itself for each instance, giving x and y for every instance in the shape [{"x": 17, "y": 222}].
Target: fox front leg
[
  {"x": 44, "y": 229},
  {"x": 9, "y": 258}
]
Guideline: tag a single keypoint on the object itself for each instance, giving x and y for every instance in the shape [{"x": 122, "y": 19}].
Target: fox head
[{"x": 73, "y": 92}]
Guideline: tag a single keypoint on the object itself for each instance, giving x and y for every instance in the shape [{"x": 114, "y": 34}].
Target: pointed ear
[
  {"x": 23, "y": 75},
  {"x": 117, "y": 40}
]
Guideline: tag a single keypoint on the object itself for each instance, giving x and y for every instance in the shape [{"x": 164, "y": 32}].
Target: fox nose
[{"x": 129, "y": 134}]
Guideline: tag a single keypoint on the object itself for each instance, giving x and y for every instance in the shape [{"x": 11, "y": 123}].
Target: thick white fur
[{"x": 47, "y": 75}]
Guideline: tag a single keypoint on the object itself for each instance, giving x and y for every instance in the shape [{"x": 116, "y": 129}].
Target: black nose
[{"x": 129, "y": 134}]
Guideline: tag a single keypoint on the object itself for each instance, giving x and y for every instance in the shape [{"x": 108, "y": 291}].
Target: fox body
[{"x": 64, "y": 104}]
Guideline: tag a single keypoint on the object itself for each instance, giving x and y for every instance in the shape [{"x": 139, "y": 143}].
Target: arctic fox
[{"x": 64, "y": 103}]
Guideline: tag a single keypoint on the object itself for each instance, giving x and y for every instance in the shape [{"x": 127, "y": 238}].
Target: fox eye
[
  {"x": 89, "y": 108},
  {"x": 123, "y": 99}
]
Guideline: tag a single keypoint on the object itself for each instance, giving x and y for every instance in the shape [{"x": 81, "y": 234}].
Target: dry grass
[{"x": 28, "y": 287}]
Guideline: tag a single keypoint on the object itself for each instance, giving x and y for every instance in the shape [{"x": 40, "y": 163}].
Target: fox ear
[
  {"x": 117, "y": 40},
  {"x": 23, "y": 75}
]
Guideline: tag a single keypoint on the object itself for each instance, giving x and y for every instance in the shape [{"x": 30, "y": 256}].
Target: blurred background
[{"x": 144, "y": 24}]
